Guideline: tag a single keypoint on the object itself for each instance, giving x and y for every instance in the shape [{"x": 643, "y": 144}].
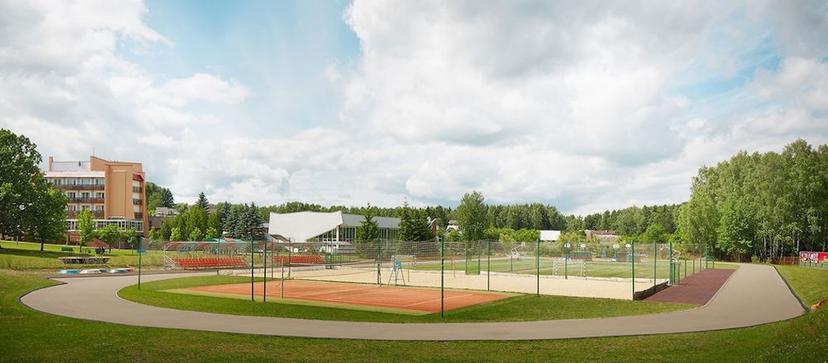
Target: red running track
[{"x": 696, "y": 289}]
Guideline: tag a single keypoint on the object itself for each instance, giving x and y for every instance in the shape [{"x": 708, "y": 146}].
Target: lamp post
[{"x": 22, "y": 208}]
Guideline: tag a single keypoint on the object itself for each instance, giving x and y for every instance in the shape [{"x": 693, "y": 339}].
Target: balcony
[
  {"x": 136, "y": 189},
  {"x": 79, "y": 186},
  {"x": 139, "y": 215},
  {"x": 136, "y": 202},
  {"x": 89, "y": 200},
  {"x": 98, "y": 214}
]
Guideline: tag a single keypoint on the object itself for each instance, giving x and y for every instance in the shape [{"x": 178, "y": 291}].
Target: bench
[{"x": 86, "y": 260}]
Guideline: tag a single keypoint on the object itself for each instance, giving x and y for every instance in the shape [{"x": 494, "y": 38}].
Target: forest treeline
[
  {"x": 765, "y": 205},
  {"x": 759, "y": 205}
]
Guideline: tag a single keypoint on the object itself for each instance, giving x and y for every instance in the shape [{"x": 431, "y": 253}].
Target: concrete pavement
[{"x": 754, "y": 294}]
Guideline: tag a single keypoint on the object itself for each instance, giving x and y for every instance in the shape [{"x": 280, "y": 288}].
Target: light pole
[{"x": 22, "y": 208}]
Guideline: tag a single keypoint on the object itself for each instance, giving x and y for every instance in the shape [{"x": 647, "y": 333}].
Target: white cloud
[{"x": 566, "y": 103}]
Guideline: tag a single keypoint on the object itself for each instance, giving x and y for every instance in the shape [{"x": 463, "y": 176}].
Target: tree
[
  {"x": 157, "y": 196},
  {"x": 655, "y": 233},
  {"x": 202, "y": 201},
  {"x": 367, "y": 232},
  {"x": 45, "y": 218},
  {"x": 22, "y": 184},
  {"x": 166, "y": 230},
  {"x": 167, "y": 199},
  {"x": 414, "y": 225},
  {"x": 735, "y": 230},
  {"x": 175, "y": 234},
  {"x": 471, "y": 214},
  {"x": 223, "y": 213},
  {"x": 86, "y": 228},
  {"x": 212, "y": 233},
  {"x": 196, "y": 235},
  {"x": 214, "y": 223},
  {"x": 109, "y": 234},
  {"x": 131, "y": 236}
]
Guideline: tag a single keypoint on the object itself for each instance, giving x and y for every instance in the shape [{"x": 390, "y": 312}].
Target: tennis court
[{"x": 412, "y": 300}]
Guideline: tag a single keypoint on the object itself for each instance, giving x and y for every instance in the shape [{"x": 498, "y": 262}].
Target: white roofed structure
[
  {"x": 326, "y": 227},
  {"x": 550, "y": 235}
]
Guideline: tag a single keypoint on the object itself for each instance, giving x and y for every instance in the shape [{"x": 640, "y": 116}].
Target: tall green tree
[
  {"x": 21, "y": 185},
  {"x": 366, "y": 233},
  {"x": 157, "y": 196},
  {"x": 202, "y": 201},
  {"x": 471, "y": 214},
  {"x": 167, "y": 199},
  {"x": 46, "y": 218},
  {"x": 86, "y": 228}
]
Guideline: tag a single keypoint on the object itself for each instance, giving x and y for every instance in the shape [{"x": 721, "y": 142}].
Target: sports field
[
  {"x": 407, "y": 300},
  {"x": 613, "y": 288},
  {"x": 557, "y": 266},
  {"x": 27, "y": 332}
]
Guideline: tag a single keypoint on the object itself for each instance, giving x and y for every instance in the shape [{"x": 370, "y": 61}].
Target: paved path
[
  {"x": 755, "y": 294},
  {"x": 696, "y": 289}
]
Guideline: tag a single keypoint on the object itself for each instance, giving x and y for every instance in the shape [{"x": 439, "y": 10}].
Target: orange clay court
[{"x": 407, "y": 299}]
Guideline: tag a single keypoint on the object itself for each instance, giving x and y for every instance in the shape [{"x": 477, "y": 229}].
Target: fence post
[
  {"x": 488, "y": 264},
  {"x": 466, "y": 257},
  {"x": 139, "y": 269},
  {"x": 672, "y": 267},
  {"x": 632, "y": 253},
  {"x": 379, "y": 250},
  {"x": 477, "y": 247},
  {"x": 566, "y": 260},
  {"x": 442, "y": 276},
  {"x": 252, "y": 273},
  {"x": 264, "y": 270},
  {"x": 537, "y": 267},
  {"x": 655, "y": 263}
]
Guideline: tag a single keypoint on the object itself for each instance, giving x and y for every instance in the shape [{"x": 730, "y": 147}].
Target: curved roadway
[{"x": 753, "y": 295}]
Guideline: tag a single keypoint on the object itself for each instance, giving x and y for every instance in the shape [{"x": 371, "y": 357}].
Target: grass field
[
  {"x": 519, "y": 308},
  {"x": 810, "y": 285},
  {"x": 29, "y": 335},
  {"x": 27, "y": 256}
]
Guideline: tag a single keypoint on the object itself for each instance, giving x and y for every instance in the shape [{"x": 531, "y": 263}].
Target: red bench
[{"x": 210, "y": 262}]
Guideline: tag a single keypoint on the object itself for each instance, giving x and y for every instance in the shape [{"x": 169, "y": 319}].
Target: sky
[{"x": 587, "y": 105}]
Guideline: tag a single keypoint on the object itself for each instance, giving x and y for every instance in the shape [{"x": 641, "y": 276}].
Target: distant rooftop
[
  {"x": 70, "y": 166},
  {"x": 74, "y": 174}
]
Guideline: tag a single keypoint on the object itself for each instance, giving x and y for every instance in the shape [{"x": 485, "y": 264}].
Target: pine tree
[{"x": 202, "y": 201}]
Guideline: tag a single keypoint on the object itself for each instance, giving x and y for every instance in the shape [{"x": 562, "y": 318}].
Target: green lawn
[
  {"x": 518, "y": 308},
  {"x": 810, "y": 284},
  {"x": 28, "y": 335},
  {"x": 27, "y": 255}
]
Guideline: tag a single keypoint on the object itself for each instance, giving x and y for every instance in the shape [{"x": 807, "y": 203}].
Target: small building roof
[
  {"x": 74, "y": 174},
  {"x": 302, "y": 226},
  {"x": 550, "y": 235}
]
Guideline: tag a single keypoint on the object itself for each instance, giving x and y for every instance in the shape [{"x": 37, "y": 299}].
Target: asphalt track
[{"x": 753, "y": 295}]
